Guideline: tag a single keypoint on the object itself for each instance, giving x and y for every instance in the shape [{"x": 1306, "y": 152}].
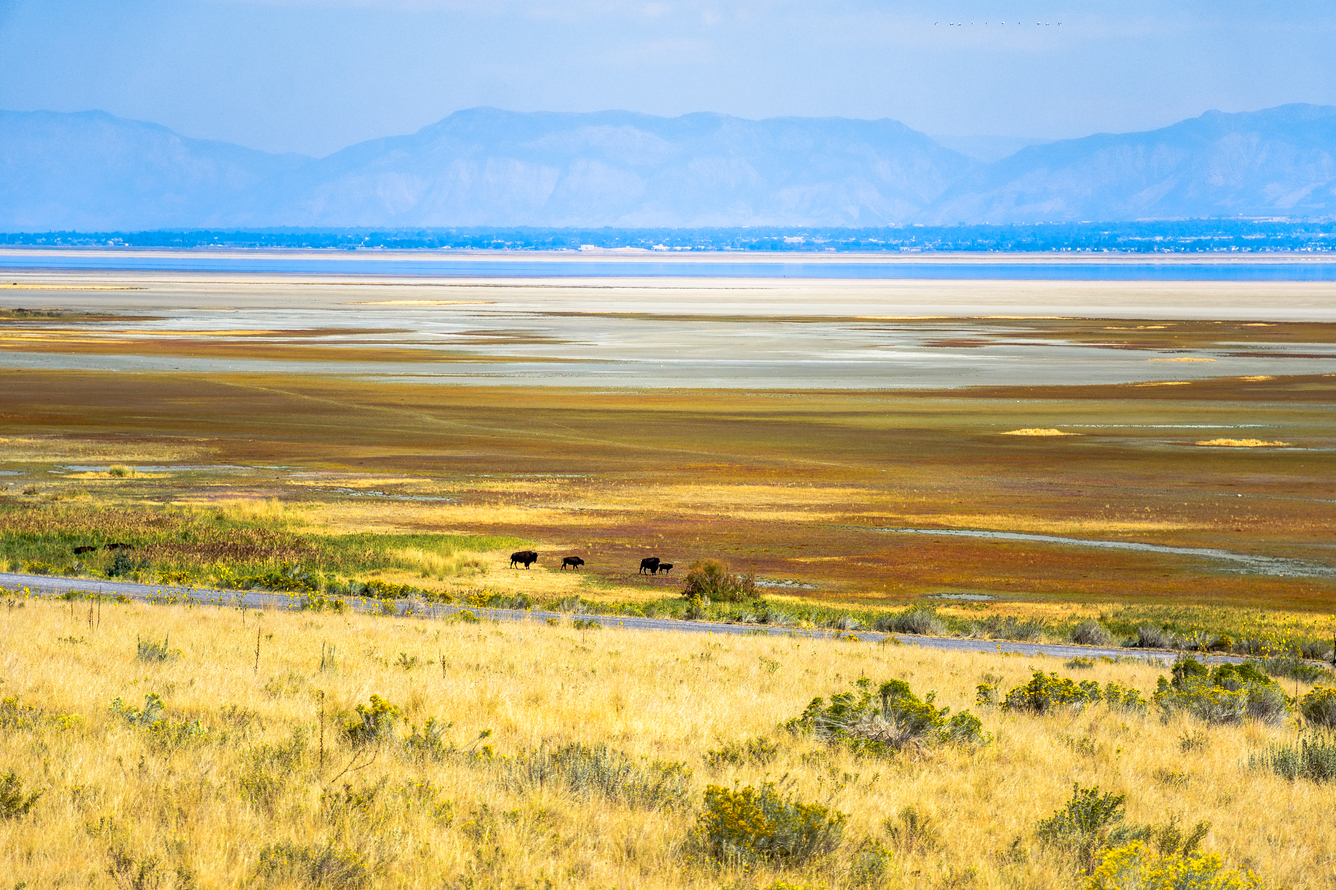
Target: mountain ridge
[{"x": 487, "y": 166}]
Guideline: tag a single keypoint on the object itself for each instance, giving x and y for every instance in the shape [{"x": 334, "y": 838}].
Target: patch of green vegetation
[{"x": 886, "y": 720}]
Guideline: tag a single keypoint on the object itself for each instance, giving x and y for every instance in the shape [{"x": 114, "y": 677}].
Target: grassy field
[
  {"x": 553, "y": 756},
  {"x": 790, "y": 487}
]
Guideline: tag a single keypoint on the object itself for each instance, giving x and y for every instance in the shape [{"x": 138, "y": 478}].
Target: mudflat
[{"x": 817, "y": 434}]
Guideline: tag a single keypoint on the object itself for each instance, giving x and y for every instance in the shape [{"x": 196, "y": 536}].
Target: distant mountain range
[{"x": 91, "y": 171}]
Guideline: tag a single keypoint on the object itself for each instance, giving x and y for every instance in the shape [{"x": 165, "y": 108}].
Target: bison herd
[{"x": 651, "y": 564}]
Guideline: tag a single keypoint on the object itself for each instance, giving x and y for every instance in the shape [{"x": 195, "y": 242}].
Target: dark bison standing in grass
[
  {"x": 528, "y": 557},
  {"x": 650, "y": 564},
  {"x": 573, "y": 562},
  {"x": 664, "y": 567}
]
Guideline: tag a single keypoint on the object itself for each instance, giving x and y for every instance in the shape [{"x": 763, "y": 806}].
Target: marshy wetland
[{"x": 1009, "y": 459}]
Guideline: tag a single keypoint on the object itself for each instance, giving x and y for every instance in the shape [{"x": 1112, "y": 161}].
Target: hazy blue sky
[{"x": 316, "y": 75}]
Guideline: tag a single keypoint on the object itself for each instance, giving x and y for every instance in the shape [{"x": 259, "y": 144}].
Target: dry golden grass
[
  {"x": 1243, "y": 443},
  {"x": 664, "y": 696},
  {"x": 1034, "y": 431}
]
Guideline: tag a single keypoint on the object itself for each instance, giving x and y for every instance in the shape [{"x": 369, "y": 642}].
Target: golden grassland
[{"x": 202, "y": 810}]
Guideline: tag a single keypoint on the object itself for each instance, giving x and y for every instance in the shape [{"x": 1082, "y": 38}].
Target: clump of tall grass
[
  {"x": 1231, "y": 693},
  {"x": 1010, "y": 627},
  {"x": 885, "y": 720},
  {"x": 600, "y": 771},
  {"x": 757, "y": 825}
]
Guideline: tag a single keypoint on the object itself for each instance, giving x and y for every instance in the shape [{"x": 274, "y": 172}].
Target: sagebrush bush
[
  {"x": 912, "y": 831},
  {"x": 1231, "y": 693},
  {"x": 315, "y": 865},
  {"x": 757, "y": 751},
  {"x": 162, "y": 732},
  {"x": 1292, "y": 667},
  {"x": 597, "y": 770},
  {"x": 1319, "y": 707},
  {"x": 1091, "y": 633},
  {"x": 151, "y": 652},
  {"x": 1151, "y": 637},
  {"x": 707, "y": 579},
  {"x": 747, "y": 825},
  {"x": 885, "y": 720},
  {"x": 920, "y": 621},
  {"x": 1312, "y": 759}
]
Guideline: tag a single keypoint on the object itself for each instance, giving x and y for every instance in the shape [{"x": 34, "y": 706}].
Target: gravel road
[{"x": 45, "y": 585}]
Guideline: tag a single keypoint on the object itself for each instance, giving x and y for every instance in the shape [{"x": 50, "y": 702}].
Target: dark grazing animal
[
  {"x": 525, "y": 556},
  {"x": 118, "y": 545},
  {"x": 665, "y": 567},
  {"x": 650, "y": 564},
  {"x": 84, "y": 549},
  {"x": 573, "y": 562}
]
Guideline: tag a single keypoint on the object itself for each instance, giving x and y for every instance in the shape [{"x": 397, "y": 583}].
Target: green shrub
[
  {"x": 1010, "y": 627},
  {"x": 869, "y": 865},
  {"x": 912, "y": 832},
  {"x": 747, "y": 825},
  {"x": 1124, "y": 698},
  {"x": 1151, "y": 637},
  {"x": 316, "y": 865},
  {"x": 1314, "y": 760},
  {"x": 757, "y": 751},
  {"x": 601, "y": 771},
  {"x": 269, "y": 769},
  {"x": 884, "y": 721},
  {"x": 1089, "y": 824},
  {"x": 586, "y": 624},
  {"x": 374, "y": 723},
  {"x": 1091, "y": 633},
  {"x": 14, "y": 804},
  {"x": 919, "y": 621},
  {"x": 428, "y": 743},
  {"x": 1137, "y": 867},
  {"x": 162, "y": 732},
  {"x": 1290, "y": 667},
  {"x": 1049, "y": 692},
  {"x": 152, "y": 652},
  {"x": 1231, "y": 693},
  {"x": 708, "y": 580},
  {"x": 1319, "y": 707}
]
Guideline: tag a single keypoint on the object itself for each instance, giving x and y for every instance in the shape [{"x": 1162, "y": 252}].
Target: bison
[
  {"x": 573, "y": 562},
  {"x": 87, "y": 548},
  {"x": 665, "y": 567},
  {"x": 527, "y": 557},
  {"x": 650, "y": 564},
  {"x": 118, "y": 545}
]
